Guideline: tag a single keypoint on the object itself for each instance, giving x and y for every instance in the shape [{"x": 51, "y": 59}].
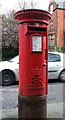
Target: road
[
  {"x": 9, "y": 95},
  {"x": 55, "y": 92}
]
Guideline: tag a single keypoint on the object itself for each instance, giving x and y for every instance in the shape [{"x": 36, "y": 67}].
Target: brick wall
[
  {"x": 58, "y": 19},
  {"x": 60, "y": 27}
]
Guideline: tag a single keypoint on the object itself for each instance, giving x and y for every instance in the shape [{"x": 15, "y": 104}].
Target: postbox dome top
[{"x": 32, "y": 15}]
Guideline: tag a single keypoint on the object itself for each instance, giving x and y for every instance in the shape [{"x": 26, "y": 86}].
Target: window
[
  {"x": 51, "y": 8},
  {"x": 53, "y": 57},
  {"x": 51, "y": 26},
  {"x": 52, "y": 37},
  {"x": 51, "y": 40}
]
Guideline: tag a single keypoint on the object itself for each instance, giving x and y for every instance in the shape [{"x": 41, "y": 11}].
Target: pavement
[{"x": 55, "y": 110}]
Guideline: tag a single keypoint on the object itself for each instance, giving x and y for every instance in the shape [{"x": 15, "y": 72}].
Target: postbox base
[{"x": 32, "y": 107}]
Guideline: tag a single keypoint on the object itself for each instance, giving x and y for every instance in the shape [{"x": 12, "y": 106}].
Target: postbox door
[{"x": 39, "y": 63}]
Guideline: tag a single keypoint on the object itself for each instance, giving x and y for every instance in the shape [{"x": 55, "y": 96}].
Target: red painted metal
[{"x": 32, "y": 63}]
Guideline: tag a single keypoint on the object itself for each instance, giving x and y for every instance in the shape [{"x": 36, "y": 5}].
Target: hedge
[
  {"x": 63, "y": 49},
  {"x": 8, "y": 53}
]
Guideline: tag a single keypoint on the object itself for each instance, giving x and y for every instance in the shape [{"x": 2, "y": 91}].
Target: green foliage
[
  {"x": 63, "y": 49},
  {"x": 8, "y": 53},
  {"x": 9, "y": 37}
]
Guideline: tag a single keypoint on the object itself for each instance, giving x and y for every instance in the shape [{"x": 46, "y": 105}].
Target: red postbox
[{"x": 33, "y": 51}]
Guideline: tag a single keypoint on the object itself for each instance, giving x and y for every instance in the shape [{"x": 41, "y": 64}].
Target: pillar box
[{"x": 33, "y": 45}]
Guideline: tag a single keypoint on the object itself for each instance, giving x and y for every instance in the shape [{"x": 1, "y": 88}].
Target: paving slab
[{"x": 53, "y": 111}]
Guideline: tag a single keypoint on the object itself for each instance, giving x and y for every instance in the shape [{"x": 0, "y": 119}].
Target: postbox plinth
[
  {"x": 33, "y": 64},
  {"x": 32, "y": 107}
]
